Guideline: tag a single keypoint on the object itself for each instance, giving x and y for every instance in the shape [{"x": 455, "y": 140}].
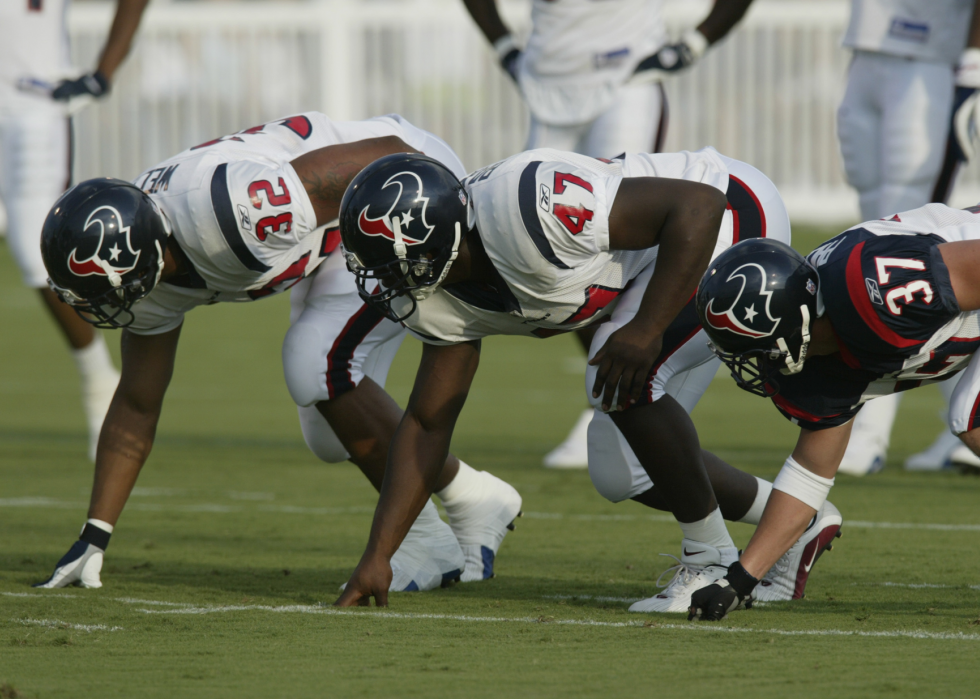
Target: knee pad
[
  {"x": 614, "y": 469},
  {"x": 304, "y": 365},
  {"x": 320, "y": 437}
]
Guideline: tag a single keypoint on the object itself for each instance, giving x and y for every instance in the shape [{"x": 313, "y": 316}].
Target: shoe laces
[{"x": 683, "y": 574}]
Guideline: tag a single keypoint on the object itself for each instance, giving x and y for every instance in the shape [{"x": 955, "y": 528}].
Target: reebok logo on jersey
[
  {"x": 245, "y": 220},
  {"x": 545, "y": 200},
  {"x": 114, "y": 253},
  {"x": 873, "y": 292},
  {"x": 744, "y": 318},
  {"x": 407, "y": 191}
]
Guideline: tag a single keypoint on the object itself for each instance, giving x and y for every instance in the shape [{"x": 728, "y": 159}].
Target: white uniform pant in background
[
  {"x": 335, "y": 339},
  {"x": 636, "y": 123},
  {"x": 35, "y": 169},
  {"x": 893, "y": 124}
]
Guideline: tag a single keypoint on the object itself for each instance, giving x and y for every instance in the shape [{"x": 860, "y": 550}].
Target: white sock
[
  {"x": 460, "y": 488},
  {"x": 711, "y": 531},
  {"x": 93, "y": 360},
  {"x": 761, "y": 498}
]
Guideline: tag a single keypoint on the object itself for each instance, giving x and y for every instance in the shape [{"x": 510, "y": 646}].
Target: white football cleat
[
  {"x": 787, "y": 578},
  {"x": 481, "y": 525},
  {"x": 963, "y": 458},
  {"x": 96, "y": 396},
  {"x": 937, "y": 456},
  {"x": 699, "y": 566},
  {"x": 574, "y": 451},
  {"x": 429, "y": 557}
]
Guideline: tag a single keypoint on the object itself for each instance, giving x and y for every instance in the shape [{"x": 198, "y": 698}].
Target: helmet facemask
[{"x": 413, "y": 278}]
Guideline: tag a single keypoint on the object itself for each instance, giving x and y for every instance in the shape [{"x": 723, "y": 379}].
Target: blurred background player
[
  {"x": 591, "y": 77},
  {"x": 35, "y": 158},
  {"x": 902, "y": 99}
]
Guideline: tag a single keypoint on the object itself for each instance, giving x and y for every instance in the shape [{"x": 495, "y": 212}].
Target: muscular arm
[
  {"x": 131, "y": 423},
  {"x": 785, "y": 518},
  {"x": 418, "y": 452},
  {"x": 326, "y": 172},
  {"x": 683, "y": 218},
  {"x": 487, "y": 18},
  {"x": 724, "y": 15},
  {"x": 963, "y": 262},
  {"x": 124, "y": 26}
]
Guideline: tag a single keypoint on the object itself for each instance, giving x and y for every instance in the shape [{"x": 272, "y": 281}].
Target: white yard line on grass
[
  {"x": 916, "y": 586},
  {"x": 55, "y": 624},
  {"x": 218, "y": 508}
]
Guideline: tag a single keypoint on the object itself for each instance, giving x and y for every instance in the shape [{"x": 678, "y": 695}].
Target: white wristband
[
  {"x": 804, "y": 485},
  {"x": 968, "y": 69},
  {"x": 695, "y": 41},
  {"x": 505, "y": 45},
  {"x": 104, "y": 526}
]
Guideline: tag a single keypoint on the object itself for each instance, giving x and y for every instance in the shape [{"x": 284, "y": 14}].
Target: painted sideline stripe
[
  {"x": 331, "y": 611},
  {"x": 55, "y": 624},
  {"x": 916, "y": 586},
  {"x": 217, "y": 508}
]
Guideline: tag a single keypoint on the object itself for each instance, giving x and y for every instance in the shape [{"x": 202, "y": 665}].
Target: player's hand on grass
[
  {"x": 83, "y": 562},
  {"x": 624, "y": 363},
  {"x": 371, "y": 578},
  {"x": 89, "y": 85},
  {"x": 714, "y": 602},
  {"x": 80, "y": 567}
]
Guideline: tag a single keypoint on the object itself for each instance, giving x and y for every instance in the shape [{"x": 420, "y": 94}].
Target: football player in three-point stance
[
  {"x": 36, "y": 157},
  {"x": 907, "y": 121},
  {"x": 543, "y": 243},
  {"x": 237, "y": 219},
  {"x": 591, "y": 75},
  {"x": 883, "y": 307}
]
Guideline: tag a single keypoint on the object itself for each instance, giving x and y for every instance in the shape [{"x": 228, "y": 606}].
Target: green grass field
[{"x": 222, "y": 569}]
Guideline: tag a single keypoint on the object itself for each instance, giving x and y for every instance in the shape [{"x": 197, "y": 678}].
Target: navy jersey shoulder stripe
[
  {"x": 225, "y": 214},
  {"x": 527, "y": 196},
  {"x": 748, "y": 216}
]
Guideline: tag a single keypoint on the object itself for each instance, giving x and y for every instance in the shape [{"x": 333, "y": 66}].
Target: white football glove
[
  {"x": 963, "y": 127},
  {"x": 80, "y": 567},
  {"x": 509, "y": 54},
  {"x": 672, "y": 58}
]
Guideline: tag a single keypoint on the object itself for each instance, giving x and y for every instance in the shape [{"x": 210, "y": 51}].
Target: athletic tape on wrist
[
  {"x": 505, "y": 45},
  {"x": 804, "y": 485},
  {"x": 741, "y": 581},
  {"x": 968, "y": 69},
  {"x": 93, "y": 534}
]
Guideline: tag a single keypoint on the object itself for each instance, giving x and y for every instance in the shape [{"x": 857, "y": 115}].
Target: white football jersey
[
  {"x": 930, "y": 30},
  {"x": 581, "y": 51},
  {"x": 241, "y": 215},
  {"x": 33, "y": 44},
  {"x": 543, "y": 218}
]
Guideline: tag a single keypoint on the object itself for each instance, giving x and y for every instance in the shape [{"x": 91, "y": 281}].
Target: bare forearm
[
  {"x": 487, "y": 18},
  {"x": 783, "y": 522},
  {"x": 973, "y": 41},
  {"x": 414, "y": 465},
  {"x": 124, "y": 26},
  {"x": 723, "y": 16},
  {"x": 125, "y": 443}
]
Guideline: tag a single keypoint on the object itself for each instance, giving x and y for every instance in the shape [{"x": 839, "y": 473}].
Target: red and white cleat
[{"x": 788, "y": 577}]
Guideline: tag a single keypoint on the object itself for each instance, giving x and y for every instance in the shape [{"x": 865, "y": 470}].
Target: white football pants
[
  {"x": 35, "y": 169},
  {"x": 892, "y": 124},
  {"x": 635, "y": 123}
]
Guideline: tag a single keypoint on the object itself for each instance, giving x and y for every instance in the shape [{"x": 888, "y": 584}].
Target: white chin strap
[
  {"x": 796, "y": 366},
  {"x": 401, "y": 252}
]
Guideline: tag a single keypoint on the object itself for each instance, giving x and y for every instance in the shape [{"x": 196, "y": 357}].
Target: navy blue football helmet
[
  {"x": 401, "y": 222},
  {"x": 756, "y": 302},
  {"x": 103, "y": 244}
]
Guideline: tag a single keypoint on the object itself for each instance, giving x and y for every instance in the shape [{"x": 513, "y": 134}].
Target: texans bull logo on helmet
[
  {"x": 414, "y": 230},
  {"x": 749, "y": 315},
  {"x": 114, "y": 253}
]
